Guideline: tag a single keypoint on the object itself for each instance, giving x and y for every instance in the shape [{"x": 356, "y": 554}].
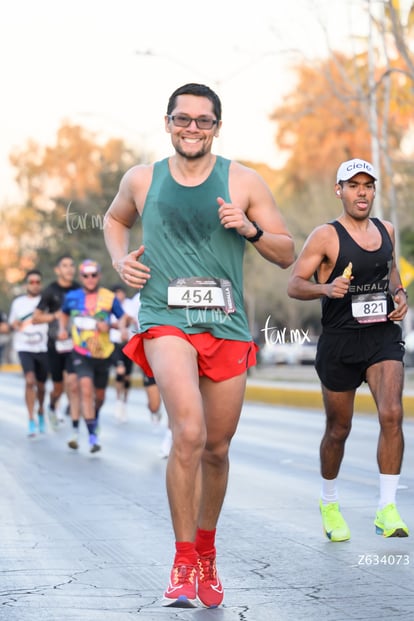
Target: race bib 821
[{"x": 369, "y": 307}]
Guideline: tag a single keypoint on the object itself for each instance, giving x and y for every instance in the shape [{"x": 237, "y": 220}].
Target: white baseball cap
[
  {"x": 349, "y": 169},
  {"x": 89, "y": 267}
]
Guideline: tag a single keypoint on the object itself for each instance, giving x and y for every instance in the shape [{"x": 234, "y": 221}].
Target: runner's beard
[{"x": 191, "y": 156}]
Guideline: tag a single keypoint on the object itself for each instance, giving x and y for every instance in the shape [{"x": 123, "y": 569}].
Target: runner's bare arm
[
  {"x": 42, "y": 316},
  {"x": 252, "y": 201},
  {"x": 316, "y": 252},
  {"x": 118, "y": 221}
]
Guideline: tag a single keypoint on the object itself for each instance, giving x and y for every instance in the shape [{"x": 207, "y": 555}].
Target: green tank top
[{"x": 183, "y": 238}]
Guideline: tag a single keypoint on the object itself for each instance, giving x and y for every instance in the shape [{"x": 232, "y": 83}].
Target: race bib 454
[{"x": 199, "y": 292}]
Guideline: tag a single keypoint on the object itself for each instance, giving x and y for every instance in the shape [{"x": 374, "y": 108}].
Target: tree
[
  {"x": 401, "y": 33},
  {"x": 16, "y": 257},
  {"x": 67, "y": 188},
  {"x": 326, "y": 119},
  {"x": 70, "y": 168}
]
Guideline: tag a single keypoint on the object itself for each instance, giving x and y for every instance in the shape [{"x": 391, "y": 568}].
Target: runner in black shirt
[
  {"x": 349, "y": 264},
  {"x": 60, "y": 356}
]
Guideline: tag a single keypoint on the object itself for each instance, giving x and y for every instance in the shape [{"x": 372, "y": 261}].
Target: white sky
[{"x": 77, "y": 60}]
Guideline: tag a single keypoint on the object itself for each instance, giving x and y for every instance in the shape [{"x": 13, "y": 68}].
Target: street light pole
[
  {"x": 151, "y": 54},
  {"x": 373, "y": 116}
]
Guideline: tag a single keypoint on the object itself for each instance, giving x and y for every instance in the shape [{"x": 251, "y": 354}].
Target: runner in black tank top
[
  {"x": 357, "y": 281},
  {"x": 371, "y": 276}
]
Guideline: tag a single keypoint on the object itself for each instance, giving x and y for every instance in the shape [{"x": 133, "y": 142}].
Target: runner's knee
[{"x": 390, "y": 415}]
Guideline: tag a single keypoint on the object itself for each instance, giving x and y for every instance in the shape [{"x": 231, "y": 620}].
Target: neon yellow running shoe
[
  {"x": 334, "y": 525},
  {"x": 388, "y": 522}
]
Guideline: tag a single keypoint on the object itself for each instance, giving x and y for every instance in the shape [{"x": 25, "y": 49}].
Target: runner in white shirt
[{"x": 30, "y": 343}]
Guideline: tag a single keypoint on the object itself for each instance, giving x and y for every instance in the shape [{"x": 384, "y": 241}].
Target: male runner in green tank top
[{"x": 197, "y": 210}]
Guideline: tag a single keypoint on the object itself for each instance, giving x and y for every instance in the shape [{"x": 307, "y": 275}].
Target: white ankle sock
[
  {"x": 329, "y": 491},
  {"x": 388, "y": 489}
]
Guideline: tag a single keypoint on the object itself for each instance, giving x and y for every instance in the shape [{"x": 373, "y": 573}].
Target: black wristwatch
[{"x": 258, "y": 235}]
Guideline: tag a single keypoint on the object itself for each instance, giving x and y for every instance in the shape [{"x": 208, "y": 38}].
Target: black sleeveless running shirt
[{"x": 371, "y": 272}]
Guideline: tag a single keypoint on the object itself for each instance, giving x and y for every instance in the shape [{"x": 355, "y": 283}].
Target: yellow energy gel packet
[{"x": 348, "y": 271}]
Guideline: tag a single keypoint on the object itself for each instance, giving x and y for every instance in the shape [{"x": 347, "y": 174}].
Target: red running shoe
[
  {"x": 209, "y": 590},
  {"x": 181, "y": 591}
]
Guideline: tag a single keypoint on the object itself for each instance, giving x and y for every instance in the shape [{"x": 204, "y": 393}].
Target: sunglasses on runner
[
  {"x": 182, "y": 120},
  {"x": 95, "y": 275}
]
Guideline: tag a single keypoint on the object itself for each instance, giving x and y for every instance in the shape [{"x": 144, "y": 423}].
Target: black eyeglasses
[
  {"x": 89, "y": 275},
  {"x": 182, "y": 120}
]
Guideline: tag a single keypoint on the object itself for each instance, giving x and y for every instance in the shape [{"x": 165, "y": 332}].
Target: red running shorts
[{"x": 218, "y": 359}]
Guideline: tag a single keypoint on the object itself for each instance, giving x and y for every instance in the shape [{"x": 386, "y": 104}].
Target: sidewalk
[{"x": 296, "y": 386}]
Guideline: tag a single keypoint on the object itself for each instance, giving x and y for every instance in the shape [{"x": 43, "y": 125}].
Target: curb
[
  {"x": 291, "y": 396},
  {"x": 294, "y": 396}
]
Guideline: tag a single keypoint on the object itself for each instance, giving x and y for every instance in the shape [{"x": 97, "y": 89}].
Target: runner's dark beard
[{"x": 191, "y": 156}]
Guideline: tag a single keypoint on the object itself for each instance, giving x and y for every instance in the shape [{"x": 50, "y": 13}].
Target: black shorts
[
  {"x": 118, "y": 357},
  {"x": 95, "y": 368},
  {"x": 36, "y": 363},
  {"x": 342, "y": 359},
  {"x": 58, "y": 363},
  {"x": 148, "y": 381}
]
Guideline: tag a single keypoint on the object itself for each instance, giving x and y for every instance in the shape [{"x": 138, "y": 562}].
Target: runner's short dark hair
[
  {"x": 63, "y": 256},
  {"x": 199, "y": 90}
]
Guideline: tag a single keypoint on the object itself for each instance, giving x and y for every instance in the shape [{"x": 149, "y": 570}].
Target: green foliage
[
  {"x": 68, "y": 186},
  {"x": 67, "y": 189}
]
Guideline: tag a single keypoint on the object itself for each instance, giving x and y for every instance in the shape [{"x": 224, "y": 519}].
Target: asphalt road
[{"x": 88, "y": 537}]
